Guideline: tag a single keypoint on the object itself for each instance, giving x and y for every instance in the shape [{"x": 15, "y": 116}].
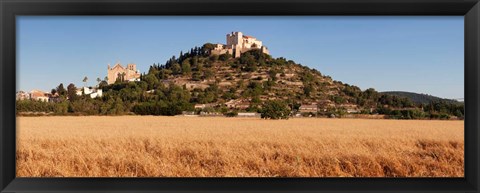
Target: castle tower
[
  {"x": 235, "y": 42},
  {"x": 239, "y": 38},
  {"x": 234, "y": 39}
]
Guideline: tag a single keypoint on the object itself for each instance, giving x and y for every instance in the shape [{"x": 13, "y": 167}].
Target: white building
[
  {"x": 22, "y": 95},
  {"x": 248, "y": 114},
  {"x": 93, "y": 93},
  {"x": 39, "y": 95},
  {"x": 308, "y": 108}
]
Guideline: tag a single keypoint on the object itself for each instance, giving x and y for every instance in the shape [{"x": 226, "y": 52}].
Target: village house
[
  {"x": 22, "y": 95},
  {"x": 238, "y": 104},
  {"x": 203, "y": 106},
  {"x": 189, "y": 113},
  {"x": 308, "y": 109},
  {"x": 211, "y": 114},
  {"x": 350, "y": 108},
  {"x": 248, "y": 114},
  {"x": 199, "y": 106},
  {"x": 118, "y": 72},
  {"x": 243, "y": 105},
  {"x": 39, "y": 95},
  {"x": 238, "y": 43}
]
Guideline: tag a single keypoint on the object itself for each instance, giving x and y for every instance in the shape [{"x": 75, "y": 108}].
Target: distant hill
[
  {"x": 225, "y": 83},
  {"x": 419, "y": 98}
]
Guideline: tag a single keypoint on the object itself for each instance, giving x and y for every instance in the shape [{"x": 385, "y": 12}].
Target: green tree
[
  {"x": 307, "y": 90},
  {"x": 275, "y": 110},
  {"x": 98, "y": 81},
  {"x": 118, "y": 107},
  {"x": 200, "y": 67},
  {"x": 273, "y": 74},
  {"x": 206, "y": 48},
  {"x": 208, "y": 73},
  {"x": 186, "y": 68},
  {"x": 61, "y": 90},
  {"x": 195, "y": 61},
  {"x": 61, "y": 108},
  {"x": 151, "y": 81},
  {"x": 176, "y": 68},
  {"x": 123, "y": 76},
  {"x": 85, "y": 81},
  {"x": 196, "y": 76},
  {"x": 254, "y": 88},
  {"x": 72, "y": 92},
  {"x": 231, "y": 114},
  {"x": 102, "y": 84},
  {"x": 225, "y": 57}
]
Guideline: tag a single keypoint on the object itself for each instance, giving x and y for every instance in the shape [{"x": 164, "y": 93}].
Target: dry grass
[{"x": 147, "y": 146}]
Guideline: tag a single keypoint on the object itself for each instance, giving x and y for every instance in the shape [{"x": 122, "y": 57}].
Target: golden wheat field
[{"x": 149, "y": 146}]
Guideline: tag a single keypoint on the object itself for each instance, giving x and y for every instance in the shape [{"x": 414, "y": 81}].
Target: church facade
[{"x": 118, "y": 72}]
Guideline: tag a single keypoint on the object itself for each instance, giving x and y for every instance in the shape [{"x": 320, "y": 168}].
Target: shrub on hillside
[{"x": 275, "y": 110}]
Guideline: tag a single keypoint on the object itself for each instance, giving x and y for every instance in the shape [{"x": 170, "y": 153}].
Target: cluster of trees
[
  {"x": 400, "y": 107},
  {"x": 35, "y": 106},
  {"x": 275, "y": 110},
  {"x": 419, "y": 98},
  {"x": 171, "y": 100},
  {"x": 370, "y": 98},
  {"x": 422, "y": 114},
  {"x": 441, "y": 109}
]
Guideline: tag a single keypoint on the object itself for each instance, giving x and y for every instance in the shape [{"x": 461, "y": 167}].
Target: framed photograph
[{"x": 239, "y": 96}]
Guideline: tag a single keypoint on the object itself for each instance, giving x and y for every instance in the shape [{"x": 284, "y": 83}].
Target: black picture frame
[{"x": 9, "y": 9}]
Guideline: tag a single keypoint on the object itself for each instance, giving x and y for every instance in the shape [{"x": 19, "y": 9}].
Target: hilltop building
[
  {"x": 238, "y": 43},
  {"x": 130, "y": 73}
]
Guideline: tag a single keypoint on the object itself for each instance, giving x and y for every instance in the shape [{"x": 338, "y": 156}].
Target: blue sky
[{"x": 420, "y": 54}]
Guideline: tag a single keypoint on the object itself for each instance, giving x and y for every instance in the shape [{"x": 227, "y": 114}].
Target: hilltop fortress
[{"x": 238, "y": 43}]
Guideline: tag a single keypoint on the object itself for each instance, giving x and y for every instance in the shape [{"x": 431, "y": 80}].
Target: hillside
[
  {"x": 244, "y": 83},
  {"x": 419, "y": 98},
  {"x": 201, "y": 82},
  {"x": 223, "y": 83}
]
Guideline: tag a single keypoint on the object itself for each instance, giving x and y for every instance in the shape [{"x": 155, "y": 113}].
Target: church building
[{"x": 118, "y": 72}]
